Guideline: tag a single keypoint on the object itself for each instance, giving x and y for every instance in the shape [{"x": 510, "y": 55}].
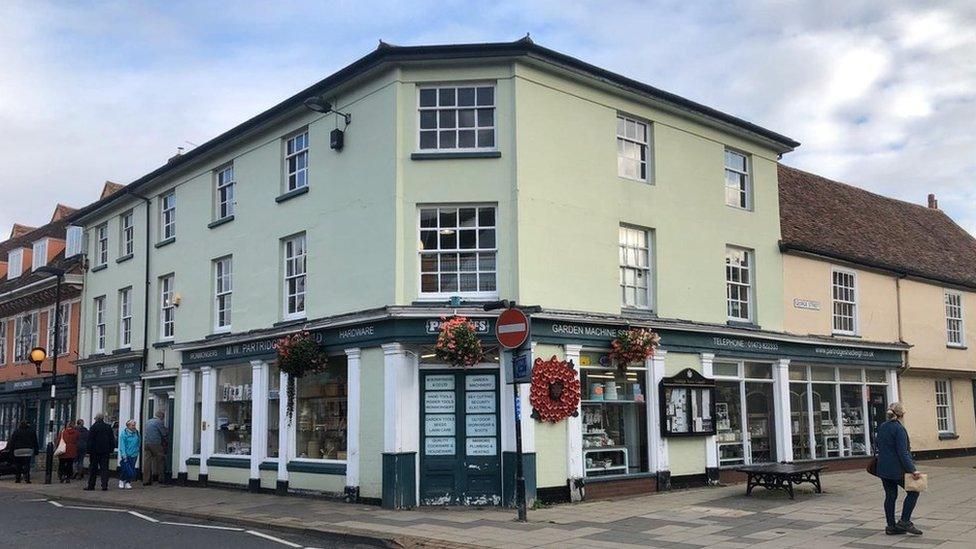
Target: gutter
[{"x": 73, "y": 279}]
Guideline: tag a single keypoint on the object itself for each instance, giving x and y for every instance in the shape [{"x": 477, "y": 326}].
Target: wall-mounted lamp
[{"x": 337, "y": 138}]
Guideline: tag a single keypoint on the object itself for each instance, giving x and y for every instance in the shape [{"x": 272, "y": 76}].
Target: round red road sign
[{"x": 512, "y": 328}]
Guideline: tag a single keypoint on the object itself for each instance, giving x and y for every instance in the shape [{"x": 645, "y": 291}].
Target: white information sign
[
  {"x": 481, "y": 425},
  {"x": 439, "y": 446},
  {"x": 439, "y": 425},
  {"x": 480, "y": 383},
  {"x": 439, "y": 383},
  {"x": 439, "y": 402},
  {"x": 481, "y": 446},
  {"x": 479, "y": 402}
]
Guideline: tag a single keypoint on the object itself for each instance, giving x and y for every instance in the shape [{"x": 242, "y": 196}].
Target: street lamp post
[{"x": 41, "y": 355}]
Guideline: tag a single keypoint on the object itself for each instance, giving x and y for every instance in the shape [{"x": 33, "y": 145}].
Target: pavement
[{"x": 847, "y": 514}]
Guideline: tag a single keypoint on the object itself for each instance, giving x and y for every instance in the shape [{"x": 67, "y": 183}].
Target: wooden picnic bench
[{"x": 781, "y": 476}]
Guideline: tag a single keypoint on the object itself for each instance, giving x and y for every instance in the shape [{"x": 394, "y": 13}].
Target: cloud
[{"x": 882, "y": 95}]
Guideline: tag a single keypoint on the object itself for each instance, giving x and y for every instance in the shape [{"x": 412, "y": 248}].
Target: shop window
[
  {"x": 800, "y": 420},
  {"x": 850, "y": 374},
  {"x": 110, "y": 407},
  {"x": 758, "y": 370},
  {"x": 274, "y": 422},
  {"x": 614, "y": 418},
  {"x": 877, "y": 409},
  {"x": 875, "y": 376},
  {"x": 321, "y": 411},
  {"x": 822, "y": 373},
  {"x": 798, "y": 373},
  {"x": 197, "y": 413},
  {"x": 825, "y": 426},
  {"x": 852, "y": 410},
  {"x": 745, "y": 419},
  {"x": 728, "y": 423},
  {"x": 233, "y": 424},
  {"x": 726, "y": 369}
]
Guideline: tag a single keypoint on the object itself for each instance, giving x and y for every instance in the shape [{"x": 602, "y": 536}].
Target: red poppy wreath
[{"x": 555, "y": 391}]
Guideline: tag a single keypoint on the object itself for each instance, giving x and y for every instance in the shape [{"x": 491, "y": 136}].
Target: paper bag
[{"x": 912, "y": 485}]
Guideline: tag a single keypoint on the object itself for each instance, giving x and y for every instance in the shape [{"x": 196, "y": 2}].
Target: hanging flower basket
[
  {"x": 299, "y": 355},
  {"x": 555, "y": 390},
  {"x": 634, "y": 345},
  {"x": 458, "y": 343}
]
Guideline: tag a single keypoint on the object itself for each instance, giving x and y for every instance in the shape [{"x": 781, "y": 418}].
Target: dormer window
[
  {"x": 15, "y": 263},
  {"x": 39, "y": 256}
]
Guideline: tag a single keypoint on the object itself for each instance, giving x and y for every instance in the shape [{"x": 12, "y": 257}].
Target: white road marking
[
  {"x": 36, "y": 499},
  {"x": 272, "y": 538},
  {"x": 83, "y": 508},
  {"x": 210, "y": 526},
  {"x": 143, "y": 517},
  {"x": 56, "y": 504}
]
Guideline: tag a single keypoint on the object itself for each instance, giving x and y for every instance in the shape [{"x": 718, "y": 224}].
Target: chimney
[
  {"x": 933, "y": 203},
  {"x": 175, "y": 157}
]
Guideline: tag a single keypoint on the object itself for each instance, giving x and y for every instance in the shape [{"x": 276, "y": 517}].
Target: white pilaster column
[
  {"x": 574, "y": 436},
  {"x": 85, "y": 405},
  {"x": 354, "y": 396},
  {"x": 125, "y": 404},
  {"x": 137, "y": 403},
  {"x": 284, "y": 428},
  {"x": 259, "y": 417},
  {"x": 658, "y": 445},
  {"x": 711, "y": 444},
  {"x": 209, "y": 411},
  {"x": 892, "y": 379},
  {"x": 187, "y": 424},
  {"x": 782, "y": 410},
  {"x": 97, "y": 402},
  {"x": 401, "y": 427}
]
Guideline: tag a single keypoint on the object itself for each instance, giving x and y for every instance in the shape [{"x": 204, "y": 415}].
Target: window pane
[
  {"x": 428, "y": 120},
  {"x": 428, "y": 140},
  {"x": 233, "y": 416},
  {"x": 466, "y": 118},
  {"x": 486, "y": 117},
  {"x": 486, "y": 138},
  {"x": 428, "y": 97},
  {"x": 728, "y": 423},
  {"x": 800, "y": 422},
  {"x": 759, "y": 415},
  {"x": 822, "y": 373},
  {"x": 448, "y": 139},
  {"x": 798, "y": 372},
  {"x": 825, "y": 429},
  {"x": 729, "y": 369},
  {"x": 486, "y": 95},
  {"x": 756, "y": 370},
  {"x": 446, "y": 97},
  {"x": 614, "y": 418},
  {"x": 852, "y": 411},
  {"x": 321, "y": 411},
  {"x": 465, "y": 97}
]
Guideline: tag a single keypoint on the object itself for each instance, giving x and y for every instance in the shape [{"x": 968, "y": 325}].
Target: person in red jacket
[{"x": 66, "y": 460}]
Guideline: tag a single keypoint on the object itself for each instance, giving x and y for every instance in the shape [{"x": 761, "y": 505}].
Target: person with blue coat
[
  {"x": 894, "y": 461},
  {"x": 128, "y": 454}
]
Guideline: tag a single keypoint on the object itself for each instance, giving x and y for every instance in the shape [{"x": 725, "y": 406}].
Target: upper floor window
[
  {"x": 738, "y": 282},
  {"x": 100, "y": 333},
  {"x": 954, "y": 326},
  {"x": 126, "y": 234},
  {"x": 25, "y": 336},
  {"x": 294, "y": 282},
  {"x": 64, "y": 328},
  {"x": 223, "y": 290},
  {"x": 457, "y": 117},
  {"x": 74, "y": 235},
  {"x": 3, "y": 342},
  {"x": 844, "y": 295},
  {"x": 632, "y": 148},
  {"x": 167, "y": 307},
  {"x": 224, "y": 193},
  {"x": 167, "y": 215},
  {"x": 125, "y": 317},
  {"x": 458, "y": 251},
  {"x": 15, "y": 263},
  {"x": 296, "y": 162},
  {"x": 943, "y": 406},
  {"x": 39, "y": 255},
  {"x": 101, "y": 245},
  {"x": 738, "y": 189},
  {"x": 635, "y": 267}
]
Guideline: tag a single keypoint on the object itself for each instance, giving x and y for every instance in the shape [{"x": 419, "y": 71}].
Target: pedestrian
[
  {"x": 101, "y": 442},
  {"x": 128, "y": 454},
  {"x": 82, "y": 449},
  {"x": 23, "y": 443},
  {"x": 894, "y": 461},
  {"x": 66, "y": 460},
  {"x": 157, "y": 440}
]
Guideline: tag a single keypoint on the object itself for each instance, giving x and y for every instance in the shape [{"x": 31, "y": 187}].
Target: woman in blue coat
[
  {"x": 894, "y": 460},
  {"x": 128, "y": 454}
]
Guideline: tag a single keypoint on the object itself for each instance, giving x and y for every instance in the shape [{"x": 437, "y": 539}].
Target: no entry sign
[{"x": 512, "y": 328}]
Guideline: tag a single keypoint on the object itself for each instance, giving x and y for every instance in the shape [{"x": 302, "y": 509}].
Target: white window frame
[
  {"x": 750, "y": 285},
  {"x": 741, "y": 379},
  {"x": 74, "y": 237},
  {"x": 642, "y": 145},
  {"x": 167, "y": 215},
  {"x": 295, "y": 154},
  {"x": 955, "y": 323},
  {"x": 21, "y": 351},
  {"x": 167, "y": 307},
  {"x": 225, "y": 192},
  {"x": 127, "y": 234},
  {"x": 15, "y": 263},
  {"x": 854, "y": 317},
  {"x": 125, "y": 318},
  {"x": 101, "y": 244},
  {"x": 301, "y": 260},
  {"x": 745, "y": 177},
  {"x": 486, "y": 294},
  {"x": 39, "y": 254},
  {"x": 100, "y": 331},
  {"x": 65, "y": 329},
  {"x": 438, "y": 108},
  {"x": 943, "y": 411},
  {"x": 223, "y": 272},
  {"x": 625, "y": 247}
]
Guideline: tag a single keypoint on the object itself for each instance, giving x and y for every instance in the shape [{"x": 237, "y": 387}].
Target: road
[{"x": 30, "y": 521}]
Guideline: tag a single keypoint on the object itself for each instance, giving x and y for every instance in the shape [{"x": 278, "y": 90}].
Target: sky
[{"x": 881, "y": 95}]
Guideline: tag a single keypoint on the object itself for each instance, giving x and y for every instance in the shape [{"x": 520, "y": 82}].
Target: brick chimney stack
[{"x": 933, "y": 203}]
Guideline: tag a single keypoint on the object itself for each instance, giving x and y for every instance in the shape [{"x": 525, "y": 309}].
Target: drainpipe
[
  {"x": 145, "y": 312},
  {"x": 901, "y": 339}
]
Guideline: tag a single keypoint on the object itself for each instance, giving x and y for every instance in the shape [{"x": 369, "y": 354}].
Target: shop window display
[
  {"x": 614, "y": 418},
  {"x": 744, "y": 438},
  {"x": 233, "y": 418},
  {"x": 274, "y": 425},
  {"x": 321, "y": 411},
  {"x": 825, "y": 428},
  {"x": 110, "y": 406},
  {"x": 800, "y": 412},
  {"x": 728, "y": 423},
  {"x": 852, "y": 411},
  {"x": 197, "y": 413}
]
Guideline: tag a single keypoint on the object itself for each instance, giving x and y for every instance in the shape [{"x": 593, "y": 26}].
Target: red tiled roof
[{"x": 836, "y": 220}]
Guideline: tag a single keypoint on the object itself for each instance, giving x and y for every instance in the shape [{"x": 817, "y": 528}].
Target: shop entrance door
[
  {"x": 164, "y": 402},
  {"x": 877, "y": 408},
  {"x": 460, "y": 453}
]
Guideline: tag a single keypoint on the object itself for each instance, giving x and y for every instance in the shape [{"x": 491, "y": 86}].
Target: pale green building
[{"x": 446, "y": 177}]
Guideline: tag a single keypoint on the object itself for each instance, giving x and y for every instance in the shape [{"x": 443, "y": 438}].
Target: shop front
[
  {"x": 111, "y": 386},
  {"x": 30, "y": 400}
]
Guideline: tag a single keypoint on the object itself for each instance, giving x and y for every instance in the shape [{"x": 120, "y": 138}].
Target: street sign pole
[{"x": 519, "y": 471}]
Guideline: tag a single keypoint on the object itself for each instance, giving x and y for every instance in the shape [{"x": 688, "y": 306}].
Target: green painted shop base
[
  {"x": 399, "y": 480},
  {"x": 508, "y": 478}
]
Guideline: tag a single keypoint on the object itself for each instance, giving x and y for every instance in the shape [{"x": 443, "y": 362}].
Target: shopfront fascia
[
  {"x": 769, "y": 401},
  {"x": 29, "y": 399}
]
